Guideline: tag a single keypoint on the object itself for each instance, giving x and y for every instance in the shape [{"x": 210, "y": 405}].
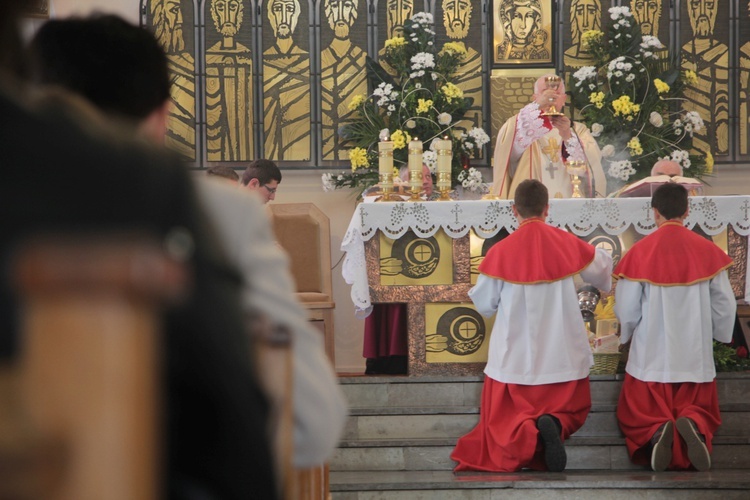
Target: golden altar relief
[
  {"x": 286, "y": 83},
  {"x": 172, "y": 25},
  {"x": 706, "y": 53},
  {"x": 653, "y": 18},
  {"x": 462, "y": 24},
  {"x": 456, "y": 333},
  {"x": 522, "y": 32},
  {"x": 413, "y": 260},
  {"x": 395, "y": 13},
  {"x": 342, "y": 68},
  {"x": 229, "y": 84},
  {"x": 744, "y": 84}
]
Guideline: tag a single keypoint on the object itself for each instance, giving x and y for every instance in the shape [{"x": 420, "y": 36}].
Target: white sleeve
[
  {"x": 628, "y": 297},
  {"x": 529, "y": 128},
  {"x": 599, "y": 272},
  {"x": 486, "y": 295},
  {"x": 574, "y": 147},
  {"x": 723, "y": 307}
]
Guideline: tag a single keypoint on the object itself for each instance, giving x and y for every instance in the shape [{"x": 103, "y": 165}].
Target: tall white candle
[
  {"x": 444, "y": 149},
  {"x": 385, "y": 157},
  {"x": 415, "y": 164}
]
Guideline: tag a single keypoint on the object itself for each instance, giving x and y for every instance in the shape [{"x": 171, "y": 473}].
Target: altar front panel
[{"x": 446, "y": 335}]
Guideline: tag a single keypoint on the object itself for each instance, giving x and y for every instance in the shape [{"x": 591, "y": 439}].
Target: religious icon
[
  {"x": 286, "y": 86},
  {"x": 522, "y": 32},
  {"x": 414, "y": 260},
  {"x": 648, "y": 14},
  {"x": 342, "y": 68},
  {"x": 396, "y": 13},
  {"x": 229, "y": 86},
  {"x": 708, "y": 57},
  {"x": 585, "y": 15},
  {"x": 463, "y": 26},
  {"x": 455, "y": 333},
  {"x": 166, "y": 19}
]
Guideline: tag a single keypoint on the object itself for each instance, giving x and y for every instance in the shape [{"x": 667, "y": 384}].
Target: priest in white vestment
[{"x": 532, "y": 146}]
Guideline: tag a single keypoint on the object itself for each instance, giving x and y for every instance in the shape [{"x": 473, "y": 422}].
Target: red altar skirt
[
  {"x": 386, "y": 331},
  {"x": 645, "y": 406},
  {"x": 506, "y": 438}
]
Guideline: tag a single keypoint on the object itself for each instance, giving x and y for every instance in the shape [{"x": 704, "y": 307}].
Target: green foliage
[
  {"x": 729, "y": 359},
  {"x": 631, "y": 100}
]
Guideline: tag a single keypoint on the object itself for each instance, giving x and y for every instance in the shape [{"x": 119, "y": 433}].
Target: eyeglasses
[{"x": 270, "y": 189}]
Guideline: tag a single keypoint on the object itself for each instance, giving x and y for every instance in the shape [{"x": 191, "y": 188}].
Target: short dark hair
[
  {"x": 531, "y": 198},
  {"x": 263, "y": 170},
  {"x": 670, "y": 200},
  {"x": 118, "y": 66},
  {"x": 223, "y": 171}
]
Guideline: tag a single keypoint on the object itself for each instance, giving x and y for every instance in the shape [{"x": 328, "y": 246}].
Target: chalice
[
  {"x": 553, "y": 83},
  {"x": 576, "y": 168}
]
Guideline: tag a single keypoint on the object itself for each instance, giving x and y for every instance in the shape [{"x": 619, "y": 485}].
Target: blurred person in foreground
[
  {"x": 60, "y": 178},
  {"x": 536, "y": 387},
  {"x": 268, "y": 288},
  {"x": 673, "y": 297}
]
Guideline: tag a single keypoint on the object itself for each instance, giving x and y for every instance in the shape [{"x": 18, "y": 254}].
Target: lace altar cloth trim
[{"x": 486, "y": 217}]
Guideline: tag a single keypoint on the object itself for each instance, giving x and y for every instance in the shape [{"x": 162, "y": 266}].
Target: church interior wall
[{"x": 303, "y": 185}]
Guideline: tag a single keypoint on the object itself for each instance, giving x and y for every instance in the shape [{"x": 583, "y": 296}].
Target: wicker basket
[{"x": 605, "y": 363}]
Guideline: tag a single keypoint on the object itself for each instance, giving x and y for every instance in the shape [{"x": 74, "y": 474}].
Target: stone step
[
  {"x": 387, "y": 392},
  {"x": 582, "y": 485},
  {"x": 425, "y": 423},
  {"x": 730, "y": 452}
]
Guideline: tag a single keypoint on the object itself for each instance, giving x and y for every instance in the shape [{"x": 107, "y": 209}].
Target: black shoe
[
  {"x": 554, "y": 449},
  {"x": 661, "y": 452},
  {"x": 696, "y": 448}
]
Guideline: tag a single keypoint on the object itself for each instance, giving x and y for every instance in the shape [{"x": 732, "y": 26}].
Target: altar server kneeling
[
  {"x": 672, "y": 298},
  {"x": 536, "y": 390}
]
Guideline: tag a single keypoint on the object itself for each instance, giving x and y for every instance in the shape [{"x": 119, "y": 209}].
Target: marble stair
[{"x": 402, "y": 429}]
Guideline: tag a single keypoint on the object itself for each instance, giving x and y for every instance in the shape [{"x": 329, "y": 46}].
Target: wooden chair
[
  {"x": 89, "y": 366},
  {"x": 304, "y": 231}
]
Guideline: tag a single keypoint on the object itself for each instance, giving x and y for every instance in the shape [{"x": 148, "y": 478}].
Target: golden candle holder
[
  {"x": 444, "y": 185},
  {"x": 415, "y": 194},
  {"x": 553, "y": 83},
  {"x": 576, "y": 168},
  {"x": 386, "y": 187}
]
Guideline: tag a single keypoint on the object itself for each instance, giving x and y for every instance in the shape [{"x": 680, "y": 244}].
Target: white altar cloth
[{"x": 581, "y": 216}]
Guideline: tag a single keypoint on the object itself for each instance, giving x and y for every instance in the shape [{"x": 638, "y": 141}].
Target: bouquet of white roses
[
  {"x": 416, "y": 99},
  {"x": 631, "y": 101}
]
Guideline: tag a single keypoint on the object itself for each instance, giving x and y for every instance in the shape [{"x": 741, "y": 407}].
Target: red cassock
[
  {"x": 506, "y": 438},
  {"x": 645, "y": 406}
]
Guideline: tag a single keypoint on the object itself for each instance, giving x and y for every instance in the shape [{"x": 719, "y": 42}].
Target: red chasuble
[
  {"x": 525, "y": 258},
  {"x": 660, "y": 258}
]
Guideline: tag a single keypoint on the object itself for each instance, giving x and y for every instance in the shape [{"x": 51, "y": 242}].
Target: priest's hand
[
  {"x": 562, "y": 124},
  {"x": 545, "y": 99}
]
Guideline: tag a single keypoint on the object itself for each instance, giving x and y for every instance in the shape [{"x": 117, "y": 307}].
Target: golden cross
[{"x": 551, "y": 150}]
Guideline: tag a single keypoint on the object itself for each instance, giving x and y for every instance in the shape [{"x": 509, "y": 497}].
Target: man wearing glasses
[{"x": 263, "y": 177}]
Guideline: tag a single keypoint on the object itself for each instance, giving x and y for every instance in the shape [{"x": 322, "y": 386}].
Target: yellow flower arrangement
[
  {"x": 690, "y": 77},
  {"x": 395, "y": 42},
  {"x": 597, "y": 98},
  {"x": 358, "y": 157},
  {"x": 451, "y": 91},
  {"x": 623, "y": 106},
  {"x": 590, "y": 36},
  {"x": 400, "y": 139},
  {"x": 709, "y": 163},
  {"x": 424, "y": 105},
  {"x": 356, "y": 102},
  {"x": 454, "y": 49},
  {"x": 661, "y": 87},
  {"x": 635, "y": 147}
]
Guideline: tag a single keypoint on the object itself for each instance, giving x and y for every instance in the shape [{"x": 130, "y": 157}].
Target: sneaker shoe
[
  {"x": 554, "y": 449},
  {"x": 696, "y": 448},
  {"x": 661, "y": 452}
]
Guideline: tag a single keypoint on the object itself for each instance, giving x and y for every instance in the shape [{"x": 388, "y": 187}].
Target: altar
[{"x": 426, "y": 254}]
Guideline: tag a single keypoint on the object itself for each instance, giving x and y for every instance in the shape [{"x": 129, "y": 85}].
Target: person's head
[
  {"x": 223, "y": 172},
  {"x": 520, "y": 19},
  {"x": 341, "y": 15},
  {"x": 399, "y": 11},
  {"x": 585, "y": 15},
  {"x": 531, "y": 199},
  {"x": 283, "y": 16},
  {"x": 263, "y": 177},
  {"x": 670, "y": 202},
  {"x": 648, "y": 14},
  {"x": 541, "y": 85},
  {"x": 167, "y": 16},
  {"x": 227, "y": 16},
  {"x": 457, "y": 18},
  {"x": 702, "y": 15},
  {"x": 666, "y": 167},
  {"x": 120, "y": 68}
]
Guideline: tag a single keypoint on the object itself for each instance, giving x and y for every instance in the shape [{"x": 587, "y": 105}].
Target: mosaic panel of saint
[
  {"x": 744, "y": 74},
  {"x": 229, "y": 81},
  {"x": 395, "y": 13},
  {"x": 462, "y": 24},
  {"x": 653, "y": 17},
  {"x": 171, "y": 21},
  {"x": 583, "y": 15},
  {"x": 342, "y": 67},
  {"x": 522, "y": 32},
  {"x": 705, "y": 51},
  {"x": 286, "y": 82}
]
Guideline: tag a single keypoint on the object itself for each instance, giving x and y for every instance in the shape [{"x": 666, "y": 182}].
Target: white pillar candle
[
  {"x": 415, "y": 164},
  {"x": 385, "y": 157}
]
